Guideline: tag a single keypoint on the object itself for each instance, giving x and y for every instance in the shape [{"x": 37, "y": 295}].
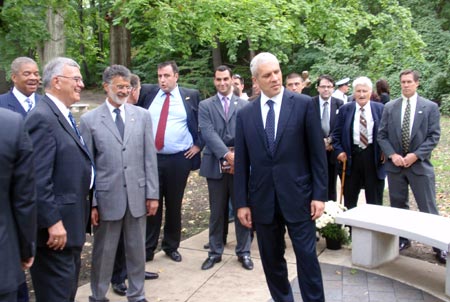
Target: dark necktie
[
  {"x": 226, "y": 106},
  {"x": 74, "y": 125},
  {"x": 363, "y": 135},
  {"x": 119, "y": 122},
  {"x": 325, "y": 120},
  {"x": 270, "y": 126},
  {"x": 160, "y": 132},
  {"x": 405, "y": 128},
  {"x": 30, "y": 104}
]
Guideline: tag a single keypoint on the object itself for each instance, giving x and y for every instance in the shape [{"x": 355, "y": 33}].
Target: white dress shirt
[
  {"x": 370, "y": 123},
  {"x": 277, "y": 99}
]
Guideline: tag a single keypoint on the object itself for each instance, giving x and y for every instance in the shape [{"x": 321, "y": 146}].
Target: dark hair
[
  {"x": 382, "y": 86},
  {"x": 223, "y": 68},
  {"x": 237, "y": 76},
  {"x": 115, "y": 71},
  {"x": 169, "y": 63},
  {"x": 415, "y": 74},
  {"x": 293, "y": 75},
  {"x": 324, "y": 77}
]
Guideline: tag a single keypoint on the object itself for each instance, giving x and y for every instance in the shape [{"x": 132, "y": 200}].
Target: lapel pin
[
  {"x": 187, "y": 98},
  {"x": 420, "y": 112},
  {"x": 235, "y": 103},
  {"x": 132, "y": 119}
]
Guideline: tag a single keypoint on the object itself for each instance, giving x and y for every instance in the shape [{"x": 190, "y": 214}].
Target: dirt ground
[{"x": 195, "y": 210}]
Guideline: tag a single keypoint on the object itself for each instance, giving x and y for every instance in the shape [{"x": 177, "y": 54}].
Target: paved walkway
[{"x": 405, "y": 279}]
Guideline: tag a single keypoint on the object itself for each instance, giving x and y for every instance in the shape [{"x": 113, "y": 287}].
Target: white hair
[
  {"x": 259, "y": 59},
  {"x": 362, "y": 81}
]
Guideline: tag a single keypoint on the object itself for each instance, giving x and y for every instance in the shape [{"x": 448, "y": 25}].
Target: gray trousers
[
  {"x": 106, "y": 238},
  {"x": 220, "y": 191}
]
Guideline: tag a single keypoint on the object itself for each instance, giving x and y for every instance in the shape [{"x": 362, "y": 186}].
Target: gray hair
[
  {"x": 18, "y": 62},
  {"x": 116, "y": 71},
  {"x": 54, "y": 68},
  {"x": 259, "y": 59},
  {"x": 362, "y": 81}
]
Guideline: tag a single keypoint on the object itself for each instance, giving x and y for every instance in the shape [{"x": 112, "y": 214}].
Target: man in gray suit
[
  {"x": 119, "y": 137},
  {"x": 217, "y": 123},
  {"x": 409, "y": 131}
]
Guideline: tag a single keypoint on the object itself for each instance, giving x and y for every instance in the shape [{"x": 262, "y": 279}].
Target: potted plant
[{"x": 334, "y": 234}]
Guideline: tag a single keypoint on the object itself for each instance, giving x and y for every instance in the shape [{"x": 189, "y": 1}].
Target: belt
[
  {"x": 357, "y": 149},
  {"x": 171, "y": 154}
]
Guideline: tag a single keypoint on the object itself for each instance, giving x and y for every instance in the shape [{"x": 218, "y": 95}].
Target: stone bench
[
  {"x": 77, "y": 107},
  {"x": 376, "y": 231}
]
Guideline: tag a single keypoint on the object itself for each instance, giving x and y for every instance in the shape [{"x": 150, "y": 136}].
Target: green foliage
[
  {"x": 445, "y": 105},
  {"x": 335, "y": 232}
]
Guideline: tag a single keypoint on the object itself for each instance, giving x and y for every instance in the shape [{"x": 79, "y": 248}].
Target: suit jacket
[
  {"x": 335, "y": 104},
  {"x": 9, "y": 101},
  {"x": 342, "y": 136},
  {"x": 17, "y": 200},
  {"x": 217, "y": 132},
  {"x": 126, "y": 170},
  {"x": 63, "y": 173},
  {"x": 294, "y": 175},
  {"x": 191, "y": 99},
  {"x": 424, "y": 136}
]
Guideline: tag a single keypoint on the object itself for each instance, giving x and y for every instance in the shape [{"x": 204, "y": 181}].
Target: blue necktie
[
  {"x": 270, "y": 126},
  {"x": 30, "y": 104},
  {"x": 74, "y": 125}
]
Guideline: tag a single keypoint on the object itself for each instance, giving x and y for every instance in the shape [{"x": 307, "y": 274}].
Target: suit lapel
[
  {"x": 217, "y": 103},
  {"x": 109, "y": 123},
  {"x": 285, "y": 112},
  {"x": 397, "y": 119},
  {"x": 14, "y": 104},
  {"x": 130, "y": 122},
  {"x": 258, "y": 122},
  {"x": 418, "y": 118},
  {"x": 233, "y": 104},
  {"x": 349, "y": 122}
]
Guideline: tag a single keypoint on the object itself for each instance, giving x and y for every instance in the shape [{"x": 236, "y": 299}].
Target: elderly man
[
  {"x": 120, "y": 138},
  {"x": 64, "y": 174},
  {"x": 281, "y": 179},
  {"x": 354, "y": 140},
  {"x": 409, "y": 132},
  {"x": 17, "y": 203}
]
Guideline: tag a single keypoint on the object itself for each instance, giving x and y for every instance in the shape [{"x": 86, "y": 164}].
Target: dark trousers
[
  {"x": 173, "y": 171},
  {"x": 55, "y": 274},
  {"x": 120, "y": 267},
  {"x": 9, "y": 297},
  {"x": 363, "y": 175},
  {"x": 271, "y": 247},
  {"x": 22, "y": 293},
  {"x": 332, "y": 176}
]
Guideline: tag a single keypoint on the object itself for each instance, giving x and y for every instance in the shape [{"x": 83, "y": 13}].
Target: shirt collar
[
  {"x": 229, "y": 96},
  {"x": 276, "y": 98},
  {"x": 111, "y": 107},
  {"x": 22, "y": 97},
  {"x": 64, "y": 110}
]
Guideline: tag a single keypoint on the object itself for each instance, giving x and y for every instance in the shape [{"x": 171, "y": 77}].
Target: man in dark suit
[
  {"x": 409, "y": 131},
  {"x": 327, "y": 108},
  {"x": 355, "y": 141},
  {"x": 217, "y": 122},
  {"x": 174, "y": 112},
  {"x": 21, "y": 99},
  {"x": 281, "y": 179},
  {"x": 64, "y": 175},
  {"x": 18, "y": 204}
]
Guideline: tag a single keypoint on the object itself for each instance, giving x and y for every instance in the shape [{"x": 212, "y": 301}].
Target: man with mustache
[
  {"x": 354, "y": 140},
  {"x": 119, "y": 137}
]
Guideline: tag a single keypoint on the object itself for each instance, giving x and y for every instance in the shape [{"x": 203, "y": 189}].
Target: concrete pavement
[{"x": 405, "y": 279}]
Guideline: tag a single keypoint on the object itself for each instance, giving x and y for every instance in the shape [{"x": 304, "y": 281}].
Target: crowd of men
[{"x": 273, "y": 158}]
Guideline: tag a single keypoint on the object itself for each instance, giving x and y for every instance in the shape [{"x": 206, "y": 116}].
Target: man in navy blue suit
[
  {"x": 21, "y": 99},
  {"x": 359, "y": 147},
  {"x": 281, "y": 179}
]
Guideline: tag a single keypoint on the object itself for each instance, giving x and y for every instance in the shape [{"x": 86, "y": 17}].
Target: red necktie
[{"x": 159, "y": 139}]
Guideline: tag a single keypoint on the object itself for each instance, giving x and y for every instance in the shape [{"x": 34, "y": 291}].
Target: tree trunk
[
  {"x": 3, "y": 84},
  {"x": 217, "y": 55},
  {"x": 56, "y": 45},
  {"x": 120, "y": 45}
]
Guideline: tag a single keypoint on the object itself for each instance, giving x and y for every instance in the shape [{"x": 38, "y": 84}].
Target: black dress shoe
[
  {"x": 149, "y": 257},
  {"x": 151, "y": 276},
  {"x": 210, "y": 261},
  {"x": 119, "y": 288},
  {"x": 246, "y": 261},
  {"x": 441, "y": 256},
  {"x": 206, "y": 246},
  {"x": 174, "y": 255},
  {"x": 404, "y": 244}
]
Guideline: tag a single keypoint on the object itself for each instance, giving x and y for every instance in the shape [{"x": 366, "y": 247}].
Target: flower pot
[{"x": 333, "y": 244}]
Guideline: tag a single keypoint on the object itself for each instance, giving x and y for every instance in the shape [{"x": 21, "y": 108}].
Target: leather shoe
[
  {"x": 119, "y": 288},
  {"x": 174, "y": 255},
  {"x": 206, "y": 246},
  {"x": 151, "y": 276},
  {"x": 404, "y": 244},
  {"x": 210, "y": 261},
  {"x": 441, "y": 256},
  {"x": 246, "y": 261}
]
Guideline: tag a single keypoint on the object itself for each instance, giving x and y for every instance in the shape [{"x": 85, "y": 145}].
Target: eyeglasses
[
  {"x": 77, "y": 80},
  {"x": 326, "y": 87},
  {"x": 120, "y": 87}
]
